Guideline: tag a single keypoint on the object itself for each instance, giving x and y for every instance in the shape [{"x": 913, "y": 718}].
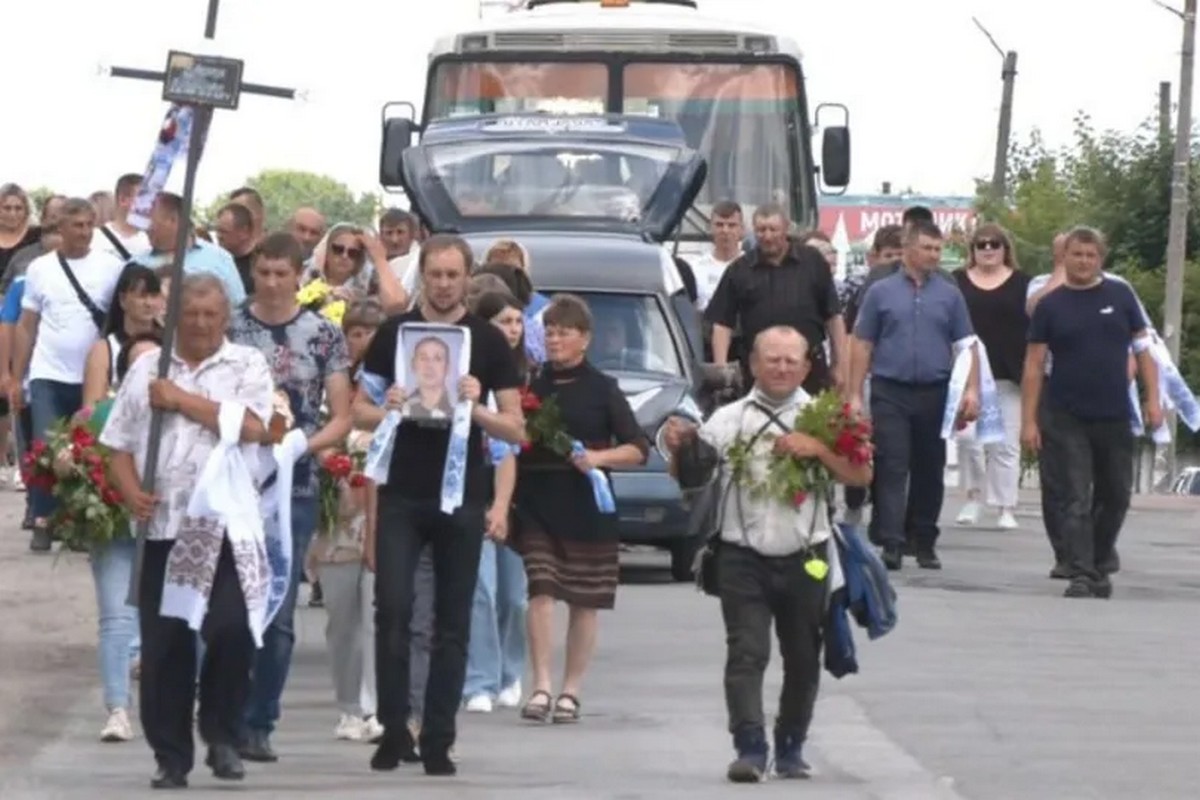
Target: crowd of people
[{"x": 441, "y": 566}]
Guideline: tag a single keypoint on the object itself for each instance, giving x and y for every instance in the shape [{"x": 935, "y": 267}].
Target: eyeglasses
[
  {"x": 343, "y": 250},
  {"x": 989, "y": 244}
]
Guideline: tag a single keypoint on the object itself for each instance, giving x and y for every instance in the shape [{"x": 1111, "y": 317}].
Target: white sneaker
[
  {"x": 118, "y": 727},
  {"x": 969, "y": 514},
  {"x": 372, "y": 730},
  {"x": 510, "y": 697},
  {"x": 349, "y": 728},
  {"x": 480, "y": 704},
  {"x": 16, "y": 482},
  {"x": 1007, "y": 521}
]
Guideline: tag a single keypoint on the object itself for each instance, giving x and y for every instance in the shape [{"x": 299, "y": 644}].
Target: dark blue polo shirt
[
  {"x": 1088, "y": 333},
  {"x": 913, "y": 327}
]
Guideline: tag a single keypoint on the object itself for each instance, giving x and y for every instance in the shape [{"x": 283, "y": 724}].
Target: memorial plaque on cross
[{"x": 203, "y": 82}]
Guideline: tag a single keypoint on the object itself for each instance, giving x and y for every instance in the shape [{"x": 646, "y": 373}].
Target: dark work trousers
[
  {"x": 756, "y": 590},
  {"x": 1092, "y": 461},
  {"x": 167, "y": 687},
  {"x": 1050, "y": 477},
  {"x": 910, "y": 460},
  {"x": 405, "y": 527}
]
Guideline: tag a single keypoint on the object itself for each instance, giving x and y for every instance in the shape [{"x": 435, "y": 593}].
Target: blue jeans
[
  {"x": 496, "y": 649},
  {"x": 272, "y": 662},
  {"x": 112, "y": 566},
  {"x": 50, "y": 401}
]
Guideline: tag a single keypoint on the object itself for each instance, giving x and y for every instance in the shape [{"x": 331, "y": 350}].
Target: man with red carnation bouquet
[{"x": 780, "y": 450}]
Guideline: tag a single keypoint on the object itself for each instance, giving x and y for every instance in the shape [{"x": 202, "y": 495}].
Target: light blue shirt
[{"x": 205, "y": 257}]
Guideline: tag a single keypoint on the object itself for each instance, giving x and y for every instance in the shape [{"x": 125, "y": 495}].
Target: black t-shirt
[
  {"x": 419, "y": 455},
  {"x": 999, "y": 319},
  {"x": 1088, "y": 333},
  {"x": 799, "y": 292}
]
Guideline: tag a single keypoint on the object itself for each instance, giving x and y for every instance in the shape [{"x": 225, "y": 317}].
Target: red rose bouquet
[
  {"x": 74, "y": 467},
  {"x": 791, "y": 480},
  {"x": 544, "y": 424},
  {"x": 341, "y": 485}
]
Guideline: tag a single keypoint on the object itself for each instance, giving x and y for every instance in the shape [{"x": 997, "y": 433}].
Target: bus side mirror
[
  {"x": 835, "y": 156},
  {"x": 398, "y": 135}
]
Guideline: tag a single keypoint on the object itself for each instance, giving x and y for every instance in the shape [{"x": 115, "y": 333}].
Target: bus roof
[{"x": 638, "y": 27}]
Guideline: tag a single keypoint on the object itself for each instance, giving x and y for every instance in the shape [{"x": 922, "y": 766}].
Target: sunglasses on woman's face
[
  {"x": 343, "y": 250},
  {"x": 989, "y": 244}
]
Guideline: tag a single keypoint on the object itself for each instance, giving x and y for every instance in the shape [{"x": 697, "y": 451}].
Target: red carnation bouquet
[
  {"x": 342, "y": 488},
  {"x": 544, "y": 424},
  {"x": 75, "y": 468},
  {"x": 791, "y": 480}
]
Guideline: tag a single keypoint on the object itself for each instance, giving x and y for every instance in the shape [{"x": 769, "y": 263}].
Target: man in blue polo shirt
[
  {"x": 908, "y": 328},
  {"x": 1087, "y": 326},
  {"x": 201, "y": 256}
]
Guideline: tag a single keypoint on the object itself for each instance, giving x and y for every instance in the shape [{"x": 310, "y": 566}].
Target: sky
[{"x": 921, "y": 82}]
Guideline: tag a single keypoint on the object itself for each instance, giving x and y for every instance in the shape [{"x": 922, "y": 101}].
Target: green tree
[
  {"x": 284, "y": 191},
  {"x": 39, "y": 195}
]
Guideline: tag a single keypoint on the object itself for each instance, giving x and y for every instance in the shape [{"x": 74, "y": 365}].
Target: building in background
[{"x": 851, "y": 222}]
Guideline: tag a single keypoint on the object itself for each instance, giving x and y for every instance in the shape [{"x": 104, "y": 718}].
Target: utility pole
[
  {"x": 1004, "y": 127},
  {"x": 1164, "y": 111},
  {"x": 203, "y": 82},
  {"x": 1177, "y": 232}
]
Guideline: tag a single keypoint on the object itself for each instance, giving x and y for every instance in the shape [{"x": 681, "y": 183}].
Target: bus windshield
[{"x": 745, "y": 119}]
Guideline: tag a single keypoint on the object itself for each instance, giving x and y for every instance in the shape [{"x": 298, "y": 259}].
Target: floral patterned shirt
[
  {"x": 233, "y": 374},
  {"x": 302, "y": 353}
]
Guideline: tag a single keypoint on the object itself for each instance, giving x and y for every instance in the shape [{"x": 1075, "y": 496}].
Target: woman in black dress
[{"x": 569, "y": 547}]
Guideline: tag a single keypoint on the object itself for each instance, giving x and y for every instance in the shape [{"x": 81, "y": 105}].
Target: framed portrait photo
[{"x": 430, "y": 361}]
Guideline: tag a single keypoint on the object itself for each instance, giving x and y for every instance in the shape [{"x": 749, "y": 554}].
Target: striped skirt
[{"x": 577, "y": 572}]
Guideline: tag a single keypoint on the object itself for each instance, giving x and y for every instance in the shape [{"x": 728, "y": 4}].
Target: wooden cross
[{"x": 204, "y": 83}]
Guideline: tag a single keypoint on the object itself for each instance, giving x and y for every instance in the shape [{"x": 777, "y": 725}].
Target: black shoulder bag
[
  {"x": 98, "y": 316},
  {"x": 706, "y": 570}
]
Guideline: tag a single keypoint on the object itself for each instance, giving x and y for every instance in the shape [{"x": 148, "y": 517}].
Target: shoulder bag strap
[
  {"x": 122, "y": 251},
  {"x": 97, "y": 314}
]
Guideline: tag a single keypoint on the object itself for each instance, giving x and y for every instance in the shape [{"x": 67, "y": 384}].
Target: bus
[{"x": 737, "y": 91}]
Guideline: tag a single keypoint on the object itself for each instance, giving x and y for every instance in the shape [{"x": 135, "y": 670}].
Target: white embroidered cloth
[
  {"x": 224, "y": 504},
  {"x": 989, "y": 428}
]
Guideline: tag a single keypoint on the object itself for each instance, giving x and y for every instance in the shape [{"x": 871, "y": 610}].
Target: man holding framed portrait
[{"x": 439, "y": 362}]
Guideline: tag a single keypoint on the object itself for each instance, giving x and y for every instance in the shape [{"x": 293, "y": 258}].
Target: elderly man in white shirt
[
  {"x": 67, "y": 294},
  {"x": 772, "y": 557},
  {"x": 197, "y": 573}
]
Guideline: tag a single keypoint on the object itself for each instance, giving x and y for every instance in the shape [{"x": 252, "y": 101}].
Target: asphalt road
[{"x": 993, "y": 687}]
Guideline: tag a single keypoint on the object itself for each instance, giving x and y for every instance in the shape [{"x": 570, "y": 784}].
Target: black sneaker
[
  {"x": 1110, "y": 565},
  {"x": 892, "y": 556},
  {"x": 1079, "y": 587},
  {"x": 316, "y": 597},
  {"x": 439, "y": 764},
  {"x": 750, "y": 766},
  {"x": 927, "y": 558},
  {"x": 789, "y": 761},
  {"x": 224, "y": 762},
  {"x": 257, "y": 747},
  {"x": 1061, "y": 571},
  {"x": 168, "y": 779},
  {"x": 40, "y": 541},
  {"x": 1102, "y": 588},
  {"x": 393, "y": 750}
]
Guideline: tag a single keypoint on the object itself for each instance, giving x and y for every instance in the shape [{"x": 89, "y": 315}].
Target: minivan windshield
[{"x": 552, "y": 177}]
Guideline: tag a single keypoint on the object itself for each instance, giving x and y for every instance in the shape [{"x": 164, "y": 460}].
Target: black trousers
[
  {"x": 910, "y": 460},
  {"x": 1092, "y": 462},
  {"x": 1050, "y": 477},
  {"x": 756, "y": 590},
  {"x": 404, "y": 527},
  {"x": 167, "y": 688}
]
